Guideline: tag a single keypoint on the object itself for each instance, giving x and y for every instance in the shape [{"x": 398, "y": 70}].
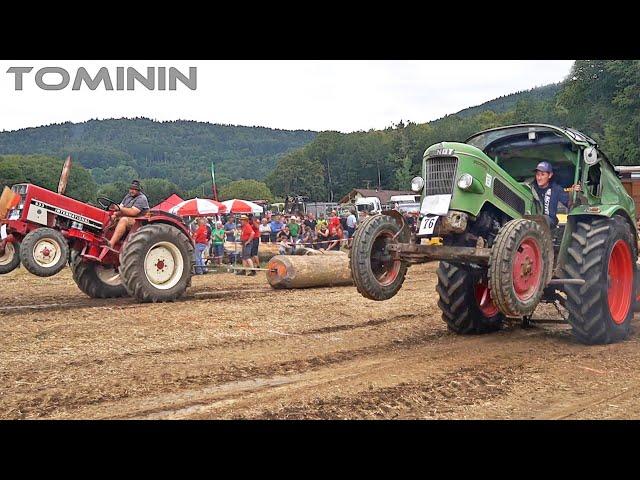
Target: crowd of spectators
[{"x": 288, "y": 232}]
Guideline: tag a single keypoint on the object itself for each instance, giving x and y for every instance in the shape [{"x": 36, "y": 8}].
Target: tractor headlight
[
  {"x": 465, "y": 181},
  {"x": 417, "y": 184}
]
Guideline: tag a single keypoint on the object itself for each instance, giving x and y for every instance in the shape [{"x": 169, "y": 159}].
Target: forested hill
[
  {"x": 508, "y": 102},
  {"x": 599, "y": 97},
  {"x": 179, "y": 151}
]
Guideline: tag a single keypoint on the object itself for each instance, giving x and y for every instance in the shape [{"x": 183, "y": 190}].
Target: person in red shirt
[
  {"x": 201, "y": 238},
  {"x": 334, "y": 220},
  {"x": 335, "y": 235},
  {"x": 255, "y": 224},
  {"x": 246, "y": 239}
]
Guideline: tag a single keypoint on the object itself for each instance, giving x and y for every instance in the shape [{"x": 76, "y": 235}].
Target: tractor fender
[
  {"x": 170, "y": 220},
  {"x": 604, "y": 211}
]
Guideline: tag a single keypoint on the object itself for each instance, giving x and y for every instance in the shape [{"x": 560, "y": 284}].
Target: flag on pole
[{"x": 213, "y": 180}]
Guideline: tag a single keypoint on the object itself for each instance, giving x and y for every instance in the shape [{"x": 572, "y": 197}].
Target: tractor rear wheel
[
  {"x": 603, "y": 253},
  {"x": 97, "y": 280},
  {"x": 519, "y": 267},
  {"x": 377, "y": 276},
  {"x": 156, "y": 263},
  {"x": 465, "y": 300},
  {"x": 44, "y": 252},
  {"x": 10, "y": 259}
]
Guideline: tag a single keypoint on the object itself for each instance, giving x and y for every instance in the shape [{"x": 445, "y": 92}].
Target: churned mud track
[{"x": 234, "y": 348}]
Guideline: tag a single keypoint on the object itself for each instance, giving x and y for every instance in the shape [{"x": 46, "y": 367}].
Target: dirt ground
[{"x": 235, "y": 348}]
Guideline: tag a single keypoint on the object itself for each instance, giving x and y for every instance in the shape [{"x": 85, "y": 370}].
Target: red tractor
[{"x": 44, "y": 230}]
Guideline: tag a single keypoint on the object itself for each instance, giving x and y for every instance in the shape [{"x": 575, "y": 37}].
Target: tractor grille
[
  {"x": 440, "y": 173},
  {"x": 503, "y": 192}
]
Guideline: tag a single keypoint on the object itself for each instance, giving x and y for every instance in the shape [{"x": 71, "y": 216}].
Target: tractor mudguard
[{"x": 602, "y": 211}]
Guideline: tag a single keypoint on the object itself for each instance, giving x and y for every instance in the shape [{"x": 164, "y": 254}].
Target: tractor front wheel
[
  {"x": 44, "y": 252},
  {"x": 376, "y": 274},
  {"x": 603, "y": 253},
  {"x": 465, "y": 300},
  {"x": 519, "y": 267},
  {"x": 156, "y": 263},
  {"x": 10, "y": 258}
]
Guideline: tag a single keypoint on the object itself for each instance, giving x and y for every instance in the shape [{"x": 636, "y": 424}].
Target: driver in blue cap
[{"x": 550, "y": 193}]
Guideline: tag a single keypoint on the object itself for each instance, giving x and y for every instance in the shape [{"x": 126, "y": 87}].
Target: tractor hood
[{"x": 446, "y": 163}]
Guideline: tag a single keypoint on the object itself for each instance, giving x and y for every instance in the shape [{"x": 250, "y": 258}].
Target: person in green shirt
[
  {"x": 217, "y": 235},
  {"x": 294, "y": 228}
]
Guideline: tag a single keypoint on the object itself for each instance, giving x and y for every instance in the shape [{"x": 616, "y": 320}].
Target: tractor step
[
  {"x": 567, "y": 281},
  {"x": 103, "y": 253}
]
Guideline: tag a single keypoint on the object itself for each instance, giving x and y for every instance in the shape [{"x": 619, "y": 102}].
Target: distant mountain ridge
[
  {"x": 181, "y": 150},
  {"x": 508, "y": 102}
]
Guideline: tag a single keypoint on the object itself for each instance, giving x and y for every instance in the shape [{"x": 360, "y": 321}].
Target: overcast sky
[{"x": 315, "y": 95}]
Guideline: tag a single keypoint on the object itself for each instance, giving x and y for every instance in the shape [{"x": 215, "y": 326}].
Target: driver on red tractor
[
  {"x": 134, "y": 204},
  {"x": 550, "y": 193}
]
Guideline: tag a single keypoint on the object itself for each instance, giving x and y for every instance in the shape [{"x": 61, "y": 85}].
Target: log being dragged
[
  {"x": 293, "y": 271},
  {"x": 312, "y": 251}
]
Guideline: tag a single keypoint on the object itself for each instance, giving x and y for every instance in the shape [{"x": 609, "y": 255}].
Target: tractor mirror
[{"x": 590, "y": 156}]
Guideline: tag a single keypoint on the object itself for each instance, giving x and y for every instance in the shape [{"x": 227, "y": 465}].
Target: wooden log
[
  {"x": 293, "y": 271},
  {"x": 311, "y": 251}
]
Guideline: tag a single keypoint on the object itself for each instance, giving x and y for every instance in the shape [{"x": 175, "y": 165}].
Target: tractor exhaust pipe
[{"x": 64, "y": 176}]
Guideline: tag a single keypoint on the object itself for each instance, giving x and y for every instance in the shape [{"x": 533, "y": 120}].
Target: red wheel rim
[
  {"x": 527, "y": 269},
  {"x": 483, "y": 298},
  {"x": 384, "y": 268},
  {"x": 620, "y": 273}
]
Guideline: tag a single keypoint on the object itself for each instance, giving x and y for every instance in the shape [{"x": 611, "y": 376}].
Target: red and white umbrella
[
  {"x": 242, "y": 206},
  {"x": 198, "y": 207}
]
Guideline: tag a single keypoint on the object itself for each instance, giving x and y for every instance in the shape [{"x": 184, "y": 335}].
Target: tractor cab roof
[
  {"x": 519, "y": 148},
  {"x": 531, "y": 132}
]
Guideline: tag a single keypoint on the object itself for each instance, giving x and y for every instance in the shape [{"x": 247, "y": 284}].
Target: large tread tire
[
  {"x": 508, "y": 242},
  {"x": 458, "y": 303},
  {"x": 10, "y": 260},
  {"x": 588, "y": 257},
  {"x": 36, "y": 238},
  {"x": 85, "y": 274},
  {"x": 132, "y": 262},
  {"x": 367, "y": 275}
]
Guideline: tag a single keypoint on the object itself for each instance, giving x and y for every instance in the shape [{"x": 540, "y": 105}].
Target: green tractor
[{"x": 500, "y": 257}]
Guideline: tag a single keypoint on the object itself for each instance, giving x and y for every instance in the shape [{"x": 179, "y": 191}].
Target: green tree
[
  {"x": 246, "y": 190},
  {"x": 297, "y": 174},
  {"x": 114, "y": 191},
  {"x": 157, "y": 189},
  {"x": 404, "y": 174},
  {"x": 45, "y": 171}
]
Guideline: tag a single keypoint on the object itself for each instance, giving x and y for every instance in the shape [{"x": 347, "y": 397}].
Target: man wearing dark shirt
[
  {"x": 230, "y": 229},
  {"x": 276, "y": 226},
  {"x": 310, "y": 222},
  {"x": 134, "y": 203},
  {"x": 550, "y": 193}
]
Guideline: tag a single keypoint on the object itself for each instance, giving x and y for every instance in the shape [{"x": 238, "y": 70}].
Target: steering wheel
[{"x": 105, "y": 203}]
